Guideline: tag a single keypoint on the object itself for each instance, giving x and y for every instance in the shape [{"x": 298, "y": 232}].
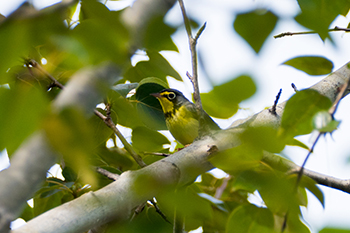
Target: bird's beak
[{"x": 157, "y": 95}]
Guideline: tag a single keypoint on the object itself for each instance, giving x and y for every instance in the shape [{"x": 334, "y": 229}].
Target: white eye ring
[{"x": 171, "y": 96}]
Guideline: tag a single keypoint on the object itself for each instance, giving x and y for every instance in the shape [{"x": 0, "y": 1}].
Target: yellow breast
[{"x": 183, "y": 126}]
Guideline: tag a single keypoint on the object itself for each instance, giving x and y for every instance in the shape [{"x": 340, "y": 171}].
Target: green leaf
[
  {"x": 37, "y": 27},
  {"x": 195, "y": 209},
  {"x": 145, "y": 139},
  {"x": 124, "y": 110},
  {"x": 22, "y": 109},
  {"x": 334, "y": 230},
  {"x": 124, "y": 89},
  {"x": 294, "y": 142},
  {"x": 323, "y": 122},
  {"x": 250, "y": 219},
  {"x": 312, "y": 65},
  {"x": 255, "y": 27},
  {"x": 101, "y": 33},
  {"x": 101, "y": 46},
  {"x": 299, "y": 111},
  {"x": 156, "y": 66},
  {"x": 223, "y": 100},
  {"x": 148, "y": 107},
  {"x": 263, "y": 138},
  {"x": 27, "y": 213},
  {"x": 115, "y": 158},
  {"x": 158, "y": 36},
  {"x": 311, "y": 185},
  {"x": 318, "y": 15},
  {"x": 237, "y": 159},
  {"x": 69, "y": 174},
  {"x": 43, "y": 204},
  {"x": 71, "y": 135},
  {"x": 294, "y": 224}
]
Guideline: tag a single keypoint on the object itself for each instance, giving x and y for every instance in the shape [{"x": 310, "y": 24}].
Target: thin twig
[
  {"x": 220, "y": 190},
  {"x": 294, "y": 87},
  {"x": 301, "y": 171},
  {"x": 335, "y": 29},
  {"x": 109, "y": 122},
  {"x": 194, "y": 76},
  {"x": 108, "y": 174},
  {"x": 157, "y": 154},
  {"x": 273, "y": 109},
  {"x": 154, "y": 203},
  {"x": 36, "y": 65},
  {"x": 333, "y": 109}
]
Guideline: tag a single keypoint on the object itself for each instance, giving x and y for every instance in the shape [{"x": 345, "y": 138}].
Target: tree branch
[
  {"x": 285, "y": 165},
  {"x": 335, "y": 29}
]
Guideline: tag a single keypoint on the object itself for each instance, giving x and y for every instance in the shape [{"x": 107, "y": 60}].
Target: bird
[{"x": 181, "y": 117}]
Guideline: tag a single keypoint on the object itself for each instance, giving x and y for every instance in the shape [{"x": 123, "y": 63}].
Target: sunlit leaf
[
  {"x": 223, "y": 100},
  {"x": 250, "y": 219},
  {"x": 312, "y": 65},
  {"x": 255, "y": 27},
  {"x": 300, "y": 109}
]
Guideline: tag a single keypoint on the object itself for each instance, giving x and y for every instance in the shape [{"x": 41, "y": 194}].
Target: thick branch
[{"x": 285, "y": 165}]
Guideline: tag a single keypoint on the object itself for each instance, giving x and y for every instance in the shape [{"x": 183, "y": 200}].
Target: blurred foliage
[
  {"x": 318, "y": 15},
  {"x": 255, "y": 27},
  {"x": 223, "y": 100},
  {"x": 63, "y": 46}
]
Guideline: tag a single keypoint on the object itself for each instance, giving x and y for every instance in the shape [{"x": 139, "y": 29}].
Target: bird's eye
[{"x": 171, "y": 96}]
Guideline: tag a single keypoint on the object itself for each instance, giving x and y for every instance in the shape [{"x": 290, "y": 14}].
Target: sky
[{"x": 225, "y": 55}]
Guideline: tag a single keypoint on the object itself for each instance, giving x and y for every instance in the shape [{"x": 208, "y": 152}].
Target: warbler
[{"x": 181, "y": 116}]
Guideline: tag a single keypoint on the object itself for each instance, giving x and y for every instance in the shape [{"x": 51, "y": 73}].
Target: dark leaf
[{"x": 148, "y": 107}]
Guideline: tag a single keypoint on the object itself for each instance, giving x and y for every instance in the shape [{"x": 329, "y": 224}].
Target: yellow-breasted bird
[{"x": 181, "y": 116}]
